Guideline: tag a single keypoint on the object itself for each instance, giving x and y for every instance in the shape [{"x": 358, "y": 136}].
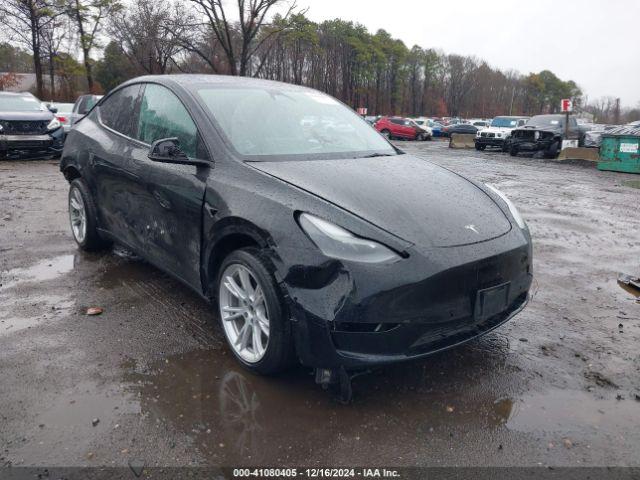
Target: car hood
[
  {"x": 546, "y": 128},
  {"x": 26, "y": 116},
  {"x": 497, "y": 129},
  {"x": 408, "y": 197}
]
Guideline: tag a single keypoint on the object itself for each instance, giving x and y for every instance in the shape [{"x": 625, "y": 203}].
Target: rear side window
[
  {"x": 118, "y": 111},
  {"x": 162, "y": 115}
]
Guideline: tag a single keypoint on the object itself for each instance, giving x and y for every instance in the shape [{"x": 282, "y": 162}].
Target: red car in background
[{"x": 398, "y": 127}]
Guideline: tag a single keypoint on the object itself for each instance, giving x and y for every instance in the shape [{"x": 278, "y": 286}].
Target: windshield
[
  {"x": 16, "y": 103},
  {"x": 265, "y": 123},
  {"x": 545, "y": 121},
  {"x": 502, "y": 122}
]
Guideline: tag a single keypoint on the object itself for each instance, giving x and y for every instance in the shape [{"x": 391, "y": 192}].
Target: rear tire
[
  {"x": 83, "y": 217},
  {"x": 279, "y": 352}
]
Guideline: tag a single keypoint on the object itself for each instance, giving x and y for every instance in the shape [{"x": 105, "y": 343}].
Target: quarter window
[
  {"x": 162, "y": 115},
  {"x": 118, "y": 110}
]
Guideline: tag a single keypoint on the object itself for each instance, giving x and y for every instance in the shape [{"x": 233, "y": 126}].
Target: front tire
[
  {"x": 83, "y": 218},
  {"x": 386, "y": 134},
  {"x": 480, "y": 147},
  {"x": 552, "y": 151},
  {"x": 253, "y": 313},
  {"x": 513, "y": 151}
]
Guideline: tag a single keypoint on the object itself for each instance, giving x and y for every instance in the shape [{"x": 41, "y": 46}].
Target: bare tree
[
  {"x": 25, "y": 21},
  {"x": 460, "y": 77},
  {"x": 149, "y": 33},
  {"x": 88, "y": 17},
  {"x": 239, "y": 40}
]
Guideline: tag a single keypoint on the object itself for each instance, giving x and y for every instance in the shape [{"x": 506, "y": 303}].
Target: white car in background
[
  {"x": 498, "y": 133},
  {"x": 423, "y": 123}
]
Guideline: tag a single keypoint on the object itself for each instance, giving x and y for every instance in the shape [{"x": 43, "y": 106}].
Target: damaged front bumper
[
  {"x": 32, "y": 146},
  {"x": 354, "y": 316}
]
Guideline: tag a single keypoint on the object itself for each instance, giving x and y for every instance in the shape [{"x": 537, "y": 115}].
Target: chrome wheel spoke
[
  {"x": 245, "y": 281},
  {"x": 258, "y": 296},
  {"x": 234, "y": 288},
  {"x": 257, "y": 340},
  {"x": 263, "y": 323}
]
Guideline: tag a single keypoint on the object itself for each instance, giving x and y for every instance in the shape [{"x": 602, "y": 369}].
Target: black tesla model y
[{"x": 318, "y": 240}]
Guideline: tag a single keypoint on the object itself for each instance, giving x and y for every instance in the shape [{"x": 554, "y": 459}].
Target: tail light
[{"x": 61, "y": 118}]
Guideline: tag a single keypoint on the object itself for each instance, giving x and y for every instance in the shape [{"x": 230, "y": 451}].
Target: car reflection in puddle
[{"x": 234, "y": 416}]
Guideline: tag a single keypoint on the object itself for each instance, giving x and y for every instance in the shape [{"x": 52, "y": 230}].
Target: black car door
[
  {"x": 112, "y": 175},
  {"x": 169, "y": 198}
]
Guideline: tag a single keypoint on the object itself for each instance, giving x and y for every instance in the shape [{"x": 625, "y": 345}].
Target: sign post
[{"x": 566, "y": 106}]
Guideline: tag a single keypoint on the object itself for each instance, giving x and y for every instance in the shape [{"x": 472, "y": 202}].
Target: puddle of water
[
  {"x": 573, "y": 410},
  {"x": 47, "y": 269},
  {"x": 236, "y": 416}
]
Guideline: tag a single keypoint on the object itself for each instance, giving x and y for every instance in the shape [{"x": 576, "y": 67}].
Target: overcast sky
[{"x": 596, "y": 43}]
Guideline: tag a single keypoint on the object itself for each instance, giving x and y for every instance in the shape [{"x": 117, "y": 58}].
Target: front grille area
[
  {"x": 487, "y": 134},
  {"x": 524, "y": 134},
  {"x": 23, "y": 127}
]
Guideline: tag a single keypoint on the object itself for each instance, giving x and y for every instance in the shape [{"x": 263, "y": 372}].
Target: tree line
[{"x": 269, "y": 39}]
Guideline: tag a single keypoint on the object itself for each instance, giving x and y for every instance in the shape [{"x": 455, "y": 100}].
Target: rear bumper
[
  {"x": 345, "y": 317},
  {"x": 32, "y": 146}
]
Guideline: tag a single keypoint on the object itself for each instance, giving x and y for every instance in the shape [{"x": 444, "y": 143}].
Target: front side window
[
  {"x": 162, "y": 115},
  {"x": 266, "y": 124},
  {"x": 118, "y": 111}
]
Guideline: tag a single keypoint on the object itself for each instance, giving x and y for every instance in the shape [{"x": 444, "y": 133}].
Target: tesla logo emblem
[{"x": 472, "y": 228}]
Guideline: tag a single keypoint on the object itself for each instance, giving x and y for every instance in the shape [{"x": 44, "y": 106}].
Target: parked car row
[{"x": 30, "y": 128}]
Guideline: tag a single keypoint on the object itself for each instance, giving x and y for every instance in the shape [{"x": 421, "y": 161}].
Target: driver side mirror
[{"x": 167, "y": 150}]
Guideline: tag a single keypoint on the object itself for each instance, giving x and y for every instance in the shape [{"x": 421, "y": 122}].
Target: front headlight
[
  {"x": 499, "y": 135},
  {"x": 336, "y": 242},
  {"x": 512, "y": 208},
  {"x": 53, "y": 124}
]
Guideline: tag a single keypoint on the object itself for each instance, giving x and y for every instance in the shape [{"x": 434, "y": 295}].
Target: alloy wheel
[
  {"x": 244, "y": 312},
  {"x": 77, "y": 215}
]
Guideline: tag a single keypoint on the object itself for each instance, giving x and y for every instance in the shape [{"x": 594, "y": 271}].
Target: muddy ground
[{"x": 151, "y": 381}]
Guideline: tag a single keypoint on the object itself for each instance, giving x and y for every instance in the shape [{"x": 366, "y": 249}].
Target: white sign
[
  {"x": 629, "y": 147},
  {"x": 569, "y": 144},
  {"x": 566, "y": 105}
]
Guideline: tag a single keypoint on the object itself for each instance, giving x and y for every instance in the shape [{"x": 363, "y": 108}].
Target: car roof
[{"x": 187, "y": 80}]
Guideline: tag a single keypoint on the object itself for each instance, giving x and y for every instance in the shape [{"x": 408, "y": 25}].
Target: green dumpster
[{"x": 620, "y": 153}]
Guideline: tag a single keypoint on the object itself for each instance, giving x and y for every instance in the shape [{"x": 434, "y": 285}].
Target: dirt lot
[{"x": 151, "y": 381}]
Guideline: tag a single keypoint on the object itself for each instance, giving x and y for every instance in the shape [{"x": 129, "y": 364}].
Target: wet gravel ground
[{"x": 151, "y": 381}]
